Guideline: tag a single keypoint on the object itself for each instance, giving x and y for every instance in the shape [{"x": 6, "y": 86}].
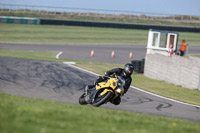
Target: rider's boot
[{"x": 116, "y": 101}]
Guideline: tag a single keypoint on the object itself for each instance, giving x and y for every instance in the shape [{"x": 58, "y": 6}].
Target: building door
[{"x": 172, "y": 40}]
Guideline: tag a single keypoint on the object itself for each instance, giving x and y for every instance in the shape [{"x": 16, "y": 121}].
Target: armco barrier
[
  {"x": 117, "y": 25},
  {"x": 19, "y": 20}
]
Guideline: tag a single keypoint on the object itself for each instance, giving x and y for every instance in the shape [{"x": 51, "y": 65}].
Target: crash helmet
[{"x": 128, "y": 69}]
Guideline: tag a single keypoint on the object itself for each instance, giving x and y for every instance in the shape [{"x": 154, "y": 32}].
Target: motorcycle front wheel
[
  {"x": 102, "y": 99},
  {"x": 82, "y": 99}
]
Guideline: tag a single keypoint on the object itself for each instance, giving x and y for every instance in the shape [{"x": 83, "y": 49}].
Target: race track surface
[
  {"x": 59, "y": 82},
  {"x": 102, "y": 52}
]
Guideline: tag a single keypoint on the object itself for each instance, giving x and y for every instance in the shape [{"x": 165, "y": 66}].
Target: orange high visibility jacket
[{"x": 183, "y": 46}]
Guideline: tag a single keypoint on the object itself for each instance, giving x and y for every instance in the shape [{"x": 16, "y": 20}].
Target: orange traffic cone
[
  {"x": 131, "y": 55},
  {"x": 113, "y": 54},
  {"x": 92, "y": 53}
]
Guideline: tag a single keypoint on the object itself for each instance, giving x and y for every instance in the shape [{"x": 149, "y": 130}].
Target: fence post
[
  {"x": 63, "y": 11},
  {"x": 55, "y": 11},
  {"x": 182, "y": 17},
  {"x": 31, "y": 9},
  {"x": 199, "y": 82},
  {"x": 9, "y": 10},
  {"x": 187, "y": 49},
  {"x": 39, "y": 10}
]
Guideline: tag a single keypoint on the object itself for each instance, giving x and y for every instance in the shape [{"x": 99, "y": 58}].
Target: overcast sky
[{"x": 182, "y": 7}]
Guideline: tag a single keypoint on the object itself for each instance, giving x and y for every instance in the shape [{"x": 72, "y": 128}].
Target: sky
[{"x": 179, "y": 7}]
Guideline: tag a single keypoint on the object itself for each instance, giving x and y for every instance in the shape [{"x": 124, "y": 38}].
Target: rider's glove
[{"x": 106, "y": 74}]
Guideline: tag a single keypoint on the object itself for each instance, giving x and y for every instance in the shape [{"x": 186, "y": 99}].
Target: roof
[{"x": 163, "y": 31}]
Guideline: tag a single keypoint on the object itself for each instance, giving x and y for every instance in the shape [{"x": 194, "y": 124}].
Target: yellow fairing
[
  {"x": 105, "y": 91},
  {"x": 110, "y": 83}
]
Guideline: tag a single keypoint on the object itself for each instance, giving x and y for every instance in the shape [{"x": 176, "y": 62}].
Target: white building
[{"x": 160, "y": 41}]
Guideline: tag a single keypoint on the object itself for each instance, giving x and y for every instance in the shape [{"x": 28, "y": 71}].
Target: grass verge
[
  {"x": 22, "y": 115},
  {"x": 76, "y": 34},
  {"x": 139, "y": 80}
]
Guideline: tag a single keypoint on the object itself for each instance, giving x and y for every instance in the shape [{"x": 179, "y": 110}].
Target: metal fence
[{"x": 94, "y": 13}]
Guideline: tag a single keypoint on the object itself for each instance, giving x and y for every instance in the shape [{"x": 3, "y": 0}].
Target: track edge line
[{"x": 150, "y": 93}]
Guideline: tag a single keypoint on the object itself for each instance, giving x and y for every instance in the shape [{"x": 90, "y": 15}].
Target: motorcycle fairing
[{"x": 103, "y": 87}]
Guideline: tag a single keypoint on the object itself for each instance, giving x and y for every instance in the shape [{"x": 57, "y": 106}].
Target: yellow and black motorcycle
[{"x": 103, "y": 92}]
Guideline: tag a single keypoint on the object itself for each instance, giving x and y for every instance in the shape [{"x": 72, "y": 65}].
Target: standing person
[
  {"x": 125, "y": 73},
  {"x": 171, "y": 51},
  {"x": 183, "y": 48}
]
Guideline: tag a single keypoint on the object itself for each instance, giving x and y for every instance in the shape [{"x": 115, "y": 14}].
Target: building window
[
  {"x": 155, "y": 40},
  {"x": 163, "y": 40}
]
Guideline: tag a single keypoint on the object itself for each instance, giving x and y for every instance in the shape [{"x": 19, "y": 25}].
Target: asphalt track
[
  {"x": 60, "y": 82},
  {"x": 102, "y": 52}
]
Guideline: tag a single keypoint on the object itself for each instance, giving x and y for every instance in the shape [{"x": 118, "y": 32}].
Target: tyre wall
[
  {"x": 117, "y": 25},
  {"x": 24, "y": 20}
]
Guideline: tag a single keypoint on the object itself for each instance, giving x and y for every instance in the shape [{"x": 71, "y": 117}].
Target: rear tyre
[
  {"x": 82, "y": 99},
  {"x": 103, "y": 99}
]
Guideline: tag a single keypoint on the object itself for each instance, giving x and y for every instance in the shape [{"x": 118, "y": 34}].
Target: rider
[{"x": 125, "y": 73}]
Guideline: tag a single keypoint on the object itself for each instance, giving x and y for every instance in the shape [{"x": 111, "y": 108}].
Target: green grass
[
  {"x": 74, "y": 34},
  {"x": 39, "y": 55},
  {"x": 196, "y": 55},
  {"x": 139, "y": 80},
  {"x": 68, "y": 34},
  {"x": 166, "y": 89},
  {"x": 23, "y": 115}
]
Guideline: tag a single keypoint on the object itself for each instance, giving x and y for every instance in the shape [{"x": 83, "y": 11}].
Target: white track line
[
  {"x": 84, "y": 70},
  {"x": 140, "y": 89},
  {"x": 165, "y": 97},
  {"x": 57, "y": 56}
]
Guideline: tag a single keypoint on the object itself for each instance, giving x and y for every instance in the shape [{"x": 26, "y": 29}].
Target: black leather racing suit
[
  {"x": 128, "y": 80},
  {"x": 119, "y": 72}
]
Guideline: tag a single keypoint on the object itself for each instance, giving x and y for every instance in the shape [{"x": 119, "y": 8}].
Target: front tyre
[
  {"x": 103, "y": 99},
  {"x": 82, "y": 99}
]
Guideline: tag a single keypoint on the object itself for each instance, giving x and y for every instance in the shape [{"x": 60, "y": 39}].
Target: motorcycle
[{"x": 103, "y": 92}]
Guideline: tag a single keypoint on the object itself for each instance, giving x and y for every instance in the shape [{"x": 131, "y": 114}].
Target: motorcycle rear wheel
[{"x": 103, "y": 99}]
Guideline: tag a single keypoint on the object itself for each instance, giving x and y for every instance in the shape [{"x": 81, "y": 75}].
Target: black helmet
[{"x": 128, "y": 69}]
